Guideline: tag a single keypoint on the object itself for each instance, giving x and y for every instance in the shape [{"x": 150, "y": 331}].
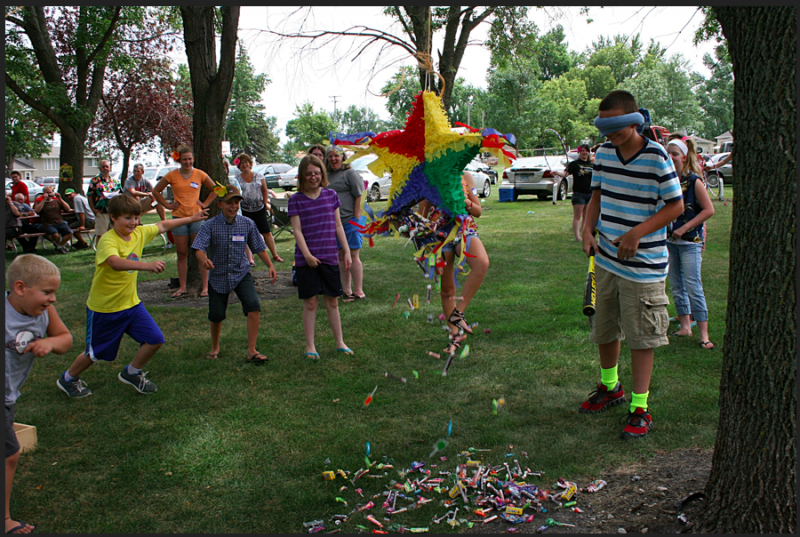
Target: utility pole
[
  {"x": 335, "y": 116},
  {"x": 469, "y": 109}
]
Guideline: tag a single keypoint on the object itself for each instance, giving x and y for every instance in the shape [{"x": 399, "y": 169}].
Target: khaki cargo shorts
[{"x": 630, "y": 310}]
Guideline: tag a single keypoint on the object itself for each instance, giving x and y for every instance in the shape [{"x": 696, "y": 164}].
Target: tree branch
[
  {"x": 16, "y": 21},
  {"x": 403, "y": 22},
  {"x": 107, "y": 36},
  {"x": 349, "y": 33},
  {"x": 36, "y": 105}
]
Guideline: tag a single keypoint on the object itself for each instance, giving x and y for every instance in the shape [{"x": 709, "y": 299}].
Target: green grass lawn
[{"x": 226, "y": 446}]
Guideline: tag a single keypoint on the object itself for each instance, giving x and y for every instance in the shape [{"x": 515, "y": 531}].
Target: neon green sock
[
  {"x": 639, "y": 400},
  {"x": 609, "y": 377}
]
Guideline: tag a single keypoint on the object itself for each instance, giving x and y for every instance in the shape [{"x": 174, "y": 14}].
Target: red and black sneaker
[
  {"x": 602, "y": 399},
  {"x": 639, "y": 424}
]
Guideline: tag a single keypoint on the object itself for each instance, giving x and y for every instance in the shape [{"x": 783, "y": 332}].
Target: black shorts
[
  {"x": 12, "y": 444},
  {"x": 218, "y": 302},
  {"x": 579, "y": 198},
  {"x": 322, "y": 280},
  {"x": 261, "y": 218}
]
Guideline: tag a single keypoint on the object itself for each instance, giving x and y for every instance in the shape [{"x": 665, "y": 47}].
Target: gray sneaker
[
  {"x": 76, "y": 389},
  {"x": 138, "y": 381}
]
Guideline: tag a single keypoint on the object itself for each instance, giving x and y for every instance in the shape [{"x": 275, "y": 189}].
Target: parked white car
[
  {"x": 288, "y": 180},
  {"x": 153, "y": 174},
  {"x": 482, "y": 180},
  {"x": 534, "y": 175},
  {"x": 377, "y": 188}
]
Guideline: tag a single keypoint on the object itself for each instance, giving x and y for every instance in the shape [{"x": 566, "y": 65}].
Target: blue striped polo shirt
[{"x": 630, "y": 193}]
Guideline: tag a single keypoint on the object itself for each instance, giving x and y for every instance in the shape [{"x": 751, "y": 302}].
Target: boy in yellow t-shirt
[{"x": 113, "y": 307}]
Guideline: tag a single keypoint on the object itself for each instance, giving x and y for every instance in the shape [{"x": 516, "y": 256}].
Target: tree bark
[
  {"x": 211, "y": 93},
  {"x": 73, "y": 144},
  {"x": 752, "y": 487}
]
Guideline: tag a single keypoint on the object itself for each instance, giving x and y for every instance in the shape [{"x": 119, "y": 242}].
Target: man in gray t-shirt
[
  {"x": 84, "y": 216},
  {"x": 137, "y": 186}
]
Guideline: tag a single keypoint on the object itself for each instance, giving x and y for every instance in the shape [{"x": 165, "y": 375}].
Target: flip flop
[
  {"x": 676, "y": 334},
  {"x": 203, "y": 295},
  {"x": 179, "y": 294},
  {"x": 21, "y": 526},
  {"x": 212, "y": 356},
  {"x": 356, "y": 297},
  {"x": 346, "y": 350},
  {"x": 705, "y": 345},
  {"x": 349, "y": 298},
  {"x": 312, "y": 355},
  {"x": 257, "y": 358},
  {"x": 278, "y": 259}
]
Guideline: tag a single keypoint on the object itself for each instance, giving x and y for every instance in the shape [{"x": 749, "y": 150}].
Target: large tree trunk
[
  {"x": 211, "y": 93},
  {"x": 73, "y": 143},
  {"x": 752, "y": 487}
]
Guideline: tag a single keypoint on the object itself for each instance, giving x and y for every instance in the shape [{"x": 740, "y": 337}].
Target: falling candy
[
  {"x": 435, "y": 355},
  {"x": 368, "y": 400},
  {"x": 439, "y": 445},
  {"x": 414, "y": 372},
  {"x": 487, "y": 331},
  {"x": 406, "y": 314},
  {"x": 390, "y": 376},
  {"x": 450, "y": 428},
  {"x": 465, "y": 352},
  {"x": 396, "y": 299},
  {"x": 369, "y": 451}
]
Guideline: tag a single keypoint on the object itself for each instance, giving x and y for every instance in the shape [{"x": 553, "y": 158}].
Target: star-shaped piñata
[{"x": 426, "y": 158}]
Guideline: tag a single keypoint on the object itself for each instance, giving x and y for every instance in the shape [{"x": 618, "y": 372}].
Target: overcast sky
[{"x": 318, "y": 77}]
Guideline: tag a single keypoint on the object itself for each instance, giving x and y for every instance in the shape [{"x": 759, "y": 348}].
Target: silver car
[
  {"x": 482, "y": 180},
  {"x": 534, "y": 175},
  {"x": 288, "y": 180},
  {"x": 376, "y": 187},
  {"x": 725, "y": 172}
]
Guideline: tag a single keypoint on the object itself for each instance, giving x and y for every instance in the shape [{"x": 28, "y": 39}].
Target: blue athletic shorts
[
  {"x": 104, "y": 331},
  {"x": 354, "y": 237}
]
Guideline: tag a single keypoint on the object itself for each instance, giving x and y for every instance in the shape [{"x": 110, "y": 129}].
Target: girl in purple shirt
[{"x": 314, "y": 215}]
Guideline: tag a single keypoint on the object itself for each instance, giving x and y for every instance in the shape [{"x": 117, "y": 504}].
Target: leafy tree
[
  {"x": 622, "y": 57},
  {"x": 72, "y": 47},
  {"x": 716, "y": 94},
  {"x": 137, "y": 106},
  {"x": 173, "y": 133},
  {"x": 246, "y": 127},
  {"x": 666, "y": 91},
  {"x": 514, "y": 105},
  {"x": 361, "y": 119},
  {"x": 402, "y": 89},
  {"x": 568, "y": 97},
  {"x": 28, "y": 133},
  {"x": 309, "y": 127},
  {"x": 598, "y": 80}
]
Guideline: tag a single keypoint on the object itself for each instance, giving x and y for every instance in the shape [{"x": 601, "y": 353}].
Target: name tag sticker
[
  {"x": 474, "y": 191},
  {"x": 194, "y": 185},
  {"x": 238, "y": 238}
]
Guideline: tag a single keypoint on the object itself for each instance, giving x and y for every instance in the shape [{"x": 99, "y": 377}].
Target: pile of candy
[{"x": 473, "y": 492}]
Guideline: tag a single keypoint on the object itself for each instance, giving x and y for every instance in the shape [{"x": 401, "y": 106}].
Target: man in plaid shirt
[{"x": 220, "y": 247}]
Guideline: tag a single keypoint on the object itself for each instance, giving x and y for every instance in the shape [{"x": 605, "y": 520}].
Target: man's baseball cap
[
  {"x": 69, "y": 191},
  {"x": 233, "y": 192}
]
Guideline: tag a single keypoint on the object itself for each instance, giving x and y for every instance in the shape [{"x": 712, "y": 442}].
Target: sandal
[
  {"x": 257, "y": 358},
  {"x": 212, "y": 355},
  {"x": 457, "y": 319},
  {"x": 349, "y": 298},
  {"x": 179, "y": 294},
  {"x": 708, "y": 345},
  {"x": 204, "y": 294},
  {"x": 452, "y": 347},
  {"x": 676, "y": 334},
  {"x": 312, "y": 355},
  {"x": 346, "y": 350},
  {"x": 21, "y": 526}
]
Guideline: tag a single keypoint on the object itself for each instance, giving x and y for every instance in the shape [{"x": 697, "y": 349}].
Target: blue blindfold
[{"x": 607, "y": 125}]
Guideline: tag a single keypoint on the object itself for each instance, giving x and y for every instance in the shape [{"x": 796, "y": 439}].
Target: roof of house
[
  {"x": 726, "y": 134},
  {"x": 23, "y": 165},
  {"x": 702, "y": 140}
]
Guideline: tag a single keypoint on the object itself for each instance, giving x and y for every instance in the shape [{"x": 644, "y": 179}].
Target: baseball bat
[{"x": 590, "y": 289}]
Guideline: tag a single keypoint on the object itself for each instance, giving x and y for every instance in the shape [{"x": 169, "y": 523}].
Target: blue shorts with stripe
[{"x": 104, "y": 331}]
